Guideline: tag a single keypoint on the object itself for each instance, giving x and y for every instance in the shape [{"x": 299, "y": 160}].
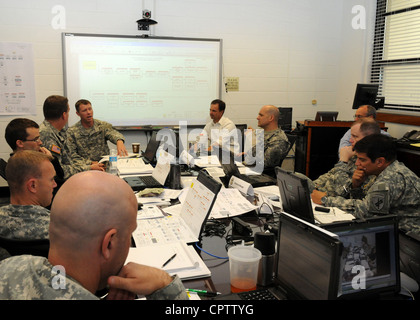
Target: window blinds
[{"x": 396, "y": 53}]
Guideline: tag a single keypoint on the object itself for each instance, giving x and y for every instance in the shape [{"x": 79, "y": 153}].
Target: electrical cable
[{"x": 210, "y": 254}]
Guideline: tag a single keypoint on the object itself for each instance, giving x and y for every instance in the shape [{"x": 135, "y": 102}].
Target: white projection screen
[{"x": 139, "y": 81}]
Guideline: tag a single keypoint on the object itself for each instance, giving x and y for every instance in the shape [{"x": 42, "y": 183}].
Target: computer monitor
[
  {"x": 365, "y": 94},
  {"x": 308, "y": 260},
  {"x": 410, "y": 254},
  {"x": 295, "y": 195},
  {"x": 326, "y": 116},
  {"x": 370, "y": 258},
  {"x": 285, "y": 119}
]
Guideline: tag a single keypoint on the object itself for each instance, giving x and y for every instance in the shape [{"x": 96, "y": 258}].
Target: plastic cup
[
  {"x": 136, "y": 147},
  {"x": 243, "y": 265}
]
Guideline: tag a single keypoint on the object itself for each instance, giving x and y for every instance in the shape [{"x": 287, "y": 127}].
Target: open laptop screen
[
  {"x": 308, "y": 260},
  {"x": 152, "y": 146},
  {"x": 370, "y": 259},
  {"x": 295, "y": 195}
]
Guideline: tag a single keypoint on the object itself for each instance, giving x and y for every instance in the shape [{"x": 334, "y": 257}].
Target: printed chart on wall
[{"x": 17, "y": 84}]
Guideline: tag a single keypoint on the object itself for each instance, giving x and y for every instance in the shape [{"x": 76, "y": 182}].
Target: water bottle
[
  {"x": 113, "y": 162},
  {"x": 201, "y": 145}
]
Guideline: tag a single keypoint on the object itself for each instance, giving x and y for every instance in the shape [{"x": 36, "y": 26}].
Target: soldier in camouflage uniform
[
  {"x": 87, "y": 139},
  {"x": 53, "y": 133},
  {"x": 28, "y": 277},
  {"x": 339, "y": 180},
  {"x": 23, "y": 134},
  {"x": 89, "y": 243},
  {"x": 30, "y": 176},
  {"x": 396, "y": 189},
  {"x": 276, "y": 144}
]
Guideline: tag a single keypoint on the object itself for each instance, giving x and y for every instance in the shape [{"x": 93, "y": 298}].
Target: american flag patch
[{"x": 56, "y": 149}]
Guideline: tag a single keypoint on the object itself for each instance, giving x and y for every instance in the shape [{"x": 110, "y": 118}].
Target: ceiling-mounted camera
[
  {"x": 146, "y": 21},
  {"x": 147, "y": 14}
]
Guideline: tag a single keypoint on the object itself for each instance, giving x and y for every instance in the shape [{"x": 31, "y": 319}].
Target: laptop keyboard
[
  {"x": 149, "y": 180},
  {"x": 260, "y": 294}
]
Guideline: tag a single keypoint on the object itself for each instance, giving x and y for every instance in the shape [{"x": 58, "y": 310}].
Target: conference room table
[{"x": 213, "y": 250}]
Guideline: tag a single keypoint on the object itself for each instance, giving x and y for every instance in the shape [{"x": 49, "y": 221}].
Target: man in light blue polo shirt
[{"x": 365, "y": 111}]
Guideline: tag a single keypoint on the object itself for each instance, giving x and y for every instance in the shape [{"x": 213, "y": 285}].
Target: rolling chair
[
  {"x": 271, "y": 171},
  {"x": 292, "y": 139},
  {"x": 15, "y": 247}
]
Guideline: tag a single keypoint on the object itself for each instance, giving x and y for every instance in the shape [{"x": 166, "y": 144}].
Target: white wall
[{"x": 285, "y": 52}]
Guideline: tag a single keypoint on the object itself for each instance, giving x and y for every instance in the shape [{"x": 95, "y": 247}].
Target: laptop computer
[
  {"x": 410, "y": 254},
  {"x": 149, "y": 155},
  {"x": 370, "y": 258},
  {"x": 295, "y": 195},
  {"x": 188, "y": 223},
  {"x": 138, "y": 183},
  {"x": 326, "y": 116},
  {"x": 307, "y": 263},
  {"x": 231, "y": 169}
]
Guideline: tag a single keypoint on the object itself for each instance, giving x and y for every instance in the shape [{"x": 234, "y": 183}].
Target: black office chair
[
  {"x": 292, "y": 139},
  {"x": 271, "y": 171},
  {"x": 3, "y": 165},
  {"x": 15, "y": 247}
]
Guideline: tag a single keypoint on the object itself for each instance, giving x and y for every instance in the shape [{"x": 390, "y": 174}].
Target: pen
[
  {"x": 204, "y": 292},
  {"x": 169, "y": 260}
]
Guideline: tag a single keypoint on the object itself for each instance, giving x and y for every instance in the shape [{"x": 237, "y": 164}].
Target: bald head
[
  {"x": 272, "y": 111},
  {"x": 88, "y": 205},
  {"x": 268, "y": 117}
]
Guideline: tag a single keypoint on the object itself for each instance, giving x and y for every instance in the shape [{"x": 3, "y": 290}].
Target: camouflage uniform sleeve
[
  {"x": 80, "y": 163},
  {"x": 275, "y": 149},
  {"x": 336, "y": 181},
  {"x": 358, "y": 208},
  {"x": 111, "y": 133},
  {"x": 70, "y": 166},
  {"x": 174, "y": 291},
  {"x": 47, "y": 137},
  {"x": 376, "y": 202},
  {"x": 24, "y": 222}
]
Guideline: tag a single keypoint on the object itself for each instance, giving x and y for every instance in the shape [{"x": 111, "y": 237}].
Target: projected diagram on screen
[
  {"x": 131, "y": 82},
  {"x": 146, "y": 88}
]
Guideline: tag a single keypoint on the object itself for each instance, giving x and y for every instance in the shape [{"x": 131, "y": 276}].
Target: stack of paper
[{"x": 133, "y": 166}]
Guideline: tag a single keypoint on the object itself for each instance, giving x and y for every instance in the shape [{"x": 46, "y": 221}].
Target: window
[{"x": 396, "y": 54}]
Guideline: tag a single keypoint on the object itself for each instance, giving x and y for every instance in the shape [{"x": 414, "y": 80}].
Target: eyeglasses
[
  {"x": 37, "y": 139},
  {"x": 358, "y": 116}
]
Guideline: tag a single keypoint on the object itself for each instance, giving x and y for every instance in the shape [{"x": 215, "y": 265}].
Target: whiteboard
[{"x": 136, "y": 81}]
